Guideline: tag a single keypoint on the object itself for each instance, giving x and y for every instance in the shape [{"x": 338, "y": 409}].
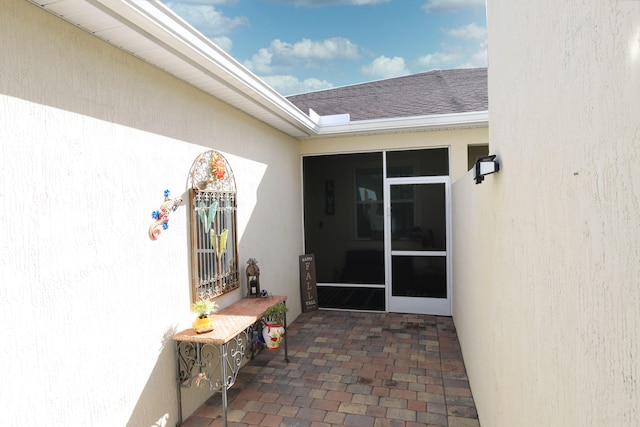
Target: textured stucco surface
[
  {"x": 90, "y": 138},
  {"x": 546, "y": 254}
]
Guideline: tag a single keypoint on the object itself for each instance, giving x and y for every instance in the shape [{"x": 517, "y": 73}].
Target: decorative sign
[{"x": 308, "y": 290}]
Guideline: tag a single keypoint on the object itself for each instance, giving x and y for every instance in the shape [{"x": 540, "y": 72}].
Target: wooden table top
[{"x": 231, "y": 320}]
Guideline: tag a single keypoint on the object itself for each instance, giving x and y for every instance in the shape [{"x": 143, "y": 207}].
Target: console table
[{"x": 214, "y": 358}]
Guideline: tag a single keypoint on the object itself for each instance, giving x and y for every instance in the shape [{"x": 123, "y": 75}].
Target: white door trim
[{"x": 435, "y": 306}]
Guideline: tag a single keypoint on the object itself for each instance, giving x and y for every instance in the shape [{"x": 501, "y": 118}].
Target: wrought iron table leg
[
  {"x": 286, "y": 339},
  {"x": 179, "y": 392},
  {"x": 225, "y": 402}
]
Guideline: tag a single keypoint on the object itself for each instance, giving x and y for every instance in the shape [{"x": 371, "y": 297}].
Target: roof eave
[
  {"x": 435, "y": 122},
  {"x": 152, "y": 32}
]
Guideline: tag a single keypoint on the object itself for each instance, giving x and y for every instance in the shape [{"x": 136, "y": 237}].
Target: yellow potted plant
[{"x": 203, "y": 308}]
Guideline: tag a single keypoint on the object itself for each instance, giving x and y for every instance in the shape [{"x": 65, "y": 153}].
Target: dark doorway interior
[{"x": 343, "y": 228}]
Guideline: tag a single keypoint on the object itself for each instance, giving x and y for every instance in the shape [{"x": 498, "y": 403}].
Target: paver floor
[{"x": 353, "y": 369}]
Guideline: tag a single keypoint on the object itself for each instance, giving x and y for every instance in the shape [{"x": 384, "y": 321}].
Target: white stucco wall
[
  {"x": 90, "y": 137},
  {"x": 546, "y": 254}
]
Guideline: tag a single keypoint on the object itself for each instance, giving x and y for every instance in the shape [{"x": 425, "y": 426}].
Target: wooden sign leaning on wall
[{"x": 308, "y": 289}]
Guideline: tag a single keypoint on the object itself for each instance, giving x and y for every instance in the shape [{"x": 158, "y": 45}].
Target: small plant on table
[{"x": 203, "y": 308}]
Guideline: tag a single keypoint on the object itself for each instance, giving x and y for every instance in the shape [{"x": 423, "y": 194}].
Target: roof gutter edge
[
  {"x": 171, "y": 29},
  {"x": 406, "y": 124}
]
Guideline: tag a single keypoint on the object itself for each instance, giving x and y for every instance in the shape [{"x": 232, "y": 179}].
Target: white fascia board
[
  {"x": 189, "y": 45},
  {"x": 407, "y": 124}
]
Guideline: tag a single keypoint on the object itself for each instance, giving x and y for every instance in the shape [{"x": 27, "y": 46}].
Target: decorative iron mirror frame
[{"x": 213, "y": 227}]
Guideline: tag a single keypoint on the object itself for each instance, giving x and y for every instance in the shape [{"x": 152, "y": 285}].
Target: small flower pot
[
  {"x": 202, "y": 325},
  {"x": 273, "y": 334}
]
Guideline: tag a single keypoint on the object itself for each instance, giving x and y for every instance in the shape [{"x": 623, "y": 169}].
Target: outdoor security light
[{"x": 484, "y": 166}]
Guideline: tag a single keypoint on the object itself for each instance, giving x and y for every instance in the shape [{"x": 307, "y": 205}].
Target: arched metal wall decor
[{"x": 214, "y": 245}]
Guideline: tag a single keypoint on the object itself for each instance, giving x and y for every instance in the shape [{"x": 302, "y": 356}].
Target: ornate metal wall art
[{"x": 214, "y": 252}]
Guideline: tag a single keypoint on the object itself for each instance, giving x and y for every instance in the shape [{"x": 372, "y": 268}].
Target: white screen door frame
[{"x": 410, "y": 303}]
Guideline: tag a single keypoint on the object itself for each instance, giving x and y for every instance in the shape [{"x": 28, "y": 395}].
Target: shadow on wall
[
  {"x": 277, "y": 247},
  {"x": 146, "y": 412},
  {"x": 116, "y": 86}
]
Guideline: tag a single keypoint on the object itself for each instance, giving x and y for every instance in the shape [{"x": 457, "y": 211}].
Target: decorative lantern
[{"x": 253, "y": 278}]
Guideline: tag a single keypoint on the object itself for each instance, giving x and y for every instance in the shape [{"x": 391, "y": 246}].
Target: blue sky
[{"x": 299, "y": 46}]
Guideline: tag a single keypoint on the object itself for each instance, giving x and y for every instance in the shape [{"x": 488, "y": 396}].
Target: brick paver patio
[{"x": 353, "y": 369}]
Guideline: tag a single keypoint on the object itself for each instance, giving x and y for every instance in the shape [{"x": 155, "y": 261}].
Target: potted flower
[
  {"x": 203, "y": 308},
  {"x": 273, "y": 331}
]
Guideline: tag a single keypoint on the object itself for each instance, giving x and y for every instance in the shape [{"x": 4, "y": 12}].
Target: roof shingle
[{"x": 430, "y": 93}]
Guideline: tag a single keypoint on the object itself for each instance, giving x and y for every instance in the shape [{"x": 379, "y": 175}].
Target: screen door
[{"x": 417, "y": 245}]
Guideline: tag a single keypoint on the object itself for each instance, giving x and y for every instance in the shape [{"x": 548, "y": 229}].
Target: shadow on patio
[{"x": 353, "y": 369}]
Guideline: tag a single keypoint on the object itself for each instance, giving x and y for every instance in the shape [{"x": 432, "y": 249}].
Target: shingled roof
[{"x": 423, "y": 94}]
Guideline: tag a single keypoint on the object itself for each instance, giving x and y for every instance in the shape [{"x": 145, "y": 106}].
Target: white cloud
[
  {"x": 478, "y": 59},
  {"x": 470, "y": 31},
  {"x": 206, "y": 18},
  {"x": 320, "y": 3},
  {"x": 444, "y": 6},
  {"x": 208, "y": 2},
  {"x": 261, "y": 62},
  {"x": 223, "y": 42},
  {"x": 290, "y": 85},
  {"x": 461, "y": 54},
  {"x": 281, "y": 56},
  {"x": 437, "y": 61},
  {"x": 365, "y": 2},
  {"x": 384, "y": 68},
  {"x": 455, "y": 57},
  {"x": 327, "y": 49}
]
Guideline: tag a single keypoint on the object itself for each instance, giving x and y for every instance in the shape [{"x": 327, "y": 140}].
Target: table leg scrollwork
[{"x": 197, "y": 362}]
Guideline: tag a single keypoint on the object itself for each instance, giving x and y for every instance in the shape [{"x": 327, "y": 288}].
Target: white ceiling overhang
[{"x": 150, "y": 31}]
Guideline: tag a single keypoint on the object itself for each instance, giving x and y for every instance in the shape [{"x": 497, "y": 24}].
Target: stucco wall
[
  {"x": 546, "y": 255},
  {"x": 90, "y": 137}
]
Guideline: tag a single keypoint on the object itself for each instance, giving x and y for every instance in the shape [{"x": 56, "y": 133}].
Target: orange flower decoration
[{"x": 217, "y": 167}]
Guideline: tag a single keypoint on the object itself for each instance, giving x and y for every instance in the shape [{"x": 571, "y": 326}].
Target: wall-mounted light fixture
[{"x": 485, "y": 165}]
